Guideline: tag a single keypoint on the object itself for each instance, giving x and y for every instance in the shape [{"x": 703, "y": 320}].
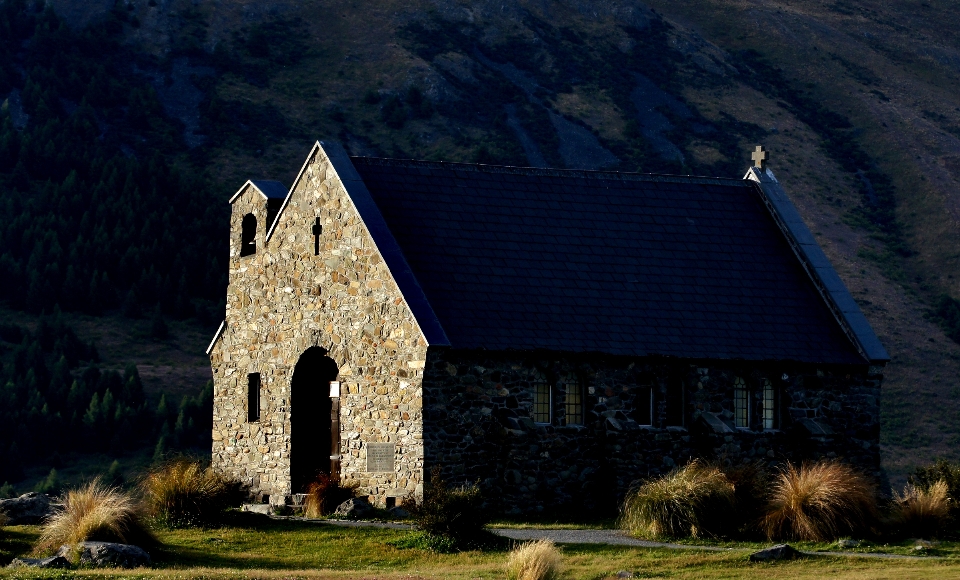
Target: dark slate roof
[
  {"x": 603, "y": 262},
  {"x": 271, "y": 189}
]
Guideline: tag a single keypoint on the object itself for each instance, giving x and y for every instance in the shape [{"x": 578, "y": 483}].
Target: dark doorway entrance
[{"x": 311, "y": 434}]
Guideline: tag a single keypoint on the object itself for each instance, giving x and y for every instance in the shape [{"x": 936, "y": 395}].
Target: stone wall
[
  {"x": 285, "y": 299},
  {"x": 478, "y": 422}
]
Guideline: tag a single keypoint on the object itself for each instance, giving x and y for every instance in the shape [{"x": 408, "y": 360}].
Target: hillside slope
[{"x": 857, "y": 103}]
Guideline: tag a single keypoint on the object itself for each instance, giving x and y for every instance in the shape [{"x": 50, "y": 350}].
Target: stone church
[{"x": 551, "y": 334}]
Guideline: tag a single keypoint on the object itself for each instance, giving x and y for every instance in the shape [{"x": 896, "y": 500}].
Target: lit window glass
[
  {"x": 769, "y": 405},
  {"x": 573, "y": 401},
  {"x": 741, "y": 403},
  {"x": 541, "y": 402}
]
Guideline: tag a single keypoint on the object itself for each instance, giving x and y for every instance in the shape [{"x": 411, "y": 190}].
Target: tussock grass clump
[
  {"x": 819, "y": 502},
  {"x": 95, "y": 512},
  {"x": 182, "y": 492},
  {"x": 922, "y": 512},
  {"x": 324, "y": 495},
  {"x": 538, "y": 560},
  {"x": 941, "y": 470},
  {"x": 695, "y": 500}
]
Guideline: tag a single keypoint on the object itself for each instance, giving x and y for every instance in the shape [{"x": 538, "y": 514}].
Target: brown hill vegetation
[{"x": 857, "y": 102}]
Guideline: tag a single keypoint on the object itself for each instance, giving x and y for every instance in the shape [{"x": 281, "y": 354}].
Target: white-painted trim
[
  {"x": 242, "y": 189},
  {"x": 223, "y": 326}
]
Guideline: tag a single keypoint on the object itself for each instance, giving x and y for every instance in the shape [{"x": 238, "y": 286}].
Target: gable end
[
  {"x": 383, "y": 239},
  {"x": 835, "y": 294}
]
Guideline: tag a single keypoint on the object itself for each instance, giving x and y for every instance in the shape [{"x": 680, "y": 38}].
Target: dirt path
[{"x": 615, "y": 538}]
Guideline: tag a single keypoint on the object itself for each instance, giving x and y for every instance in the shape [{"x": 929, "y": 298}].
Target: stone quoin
[{"x": 551, "y": 334}]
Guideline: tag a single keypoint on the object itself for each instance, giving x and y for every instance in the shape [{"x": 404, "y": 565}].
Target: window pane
[
  {"x": 644, "y": 409},
  {"x": 769, "y": 405},
  {"x": 574, "y": 401},
  {"x": 741, "y": 403},
  {"x": 541, "y": 402}
]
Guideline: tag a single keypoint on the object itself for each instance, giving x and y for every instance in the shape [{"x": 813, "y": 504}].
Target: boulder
[
  {"x": 773, "y": 553},
  {"x": 107, "y": 555},
  {"x": 51, "y": 562},
  {"x": 356, "y": 508},
  {"x": 848, "y": 543},
  {"x": 257, "y": 508},
  {"x": 28, "y": 509}
]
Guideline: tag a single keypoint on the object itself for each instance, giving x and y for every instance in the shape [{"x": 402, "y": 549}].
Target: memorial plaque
[{"x": 380, "y": 457}]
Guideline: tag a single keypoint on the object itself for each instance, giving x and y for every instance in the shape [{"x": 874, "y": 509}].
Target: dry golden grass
[
  {"x": 324, "y": 495},
  {"x": 696, "y": 500},
  {"x": 538, "y": 560},
  {"x": 819, "y": 502},
  {"x": 922, "y": 512},
  {"x": 94, "y": 512},
  {"x": 183, "y": 492}
]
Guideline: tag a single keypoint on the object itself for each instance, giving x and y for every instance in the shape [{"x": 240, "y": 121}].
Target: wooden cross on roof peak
[{"x": 759, "y": 157}]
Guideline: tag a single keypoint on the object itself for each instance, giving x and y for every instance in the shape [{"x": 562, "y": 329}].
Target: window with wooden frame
[
  {"x": 741, "y": 403},
  {"x": 542, "y": 400},
  {"x": 573, "y": 401},
  {"x": 770, "y": 411},
  {"x": 643, "y": 411},
  {"x": 253, "y": 397}
]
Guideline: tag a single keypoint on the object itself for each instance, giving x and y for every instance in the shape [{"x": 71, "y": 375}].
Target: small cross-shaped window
[{"x": 317, "y": 230}]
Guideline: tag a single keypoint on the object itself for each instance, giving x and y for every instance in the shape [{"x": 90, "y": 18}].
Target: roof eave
[
  {"x": 831, "y": 288},
  {"x": 249, "y": 183}
]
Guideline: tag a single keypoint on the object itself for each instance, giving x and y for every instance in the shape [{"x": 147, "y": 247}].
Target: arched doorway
[{"x": 311, "y": 424}]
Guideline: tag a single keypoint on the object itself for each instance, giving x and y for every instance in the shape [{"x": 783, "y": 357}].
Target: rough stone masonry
[
  {"x": 284, "y": 299},
  {"x": 387, "y": 318}
]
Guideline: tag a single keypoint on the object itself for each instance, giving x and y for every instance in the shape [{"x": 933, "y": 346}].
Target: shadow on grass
[
  {"x": 17, "y": 541},
  {"x": 246, "y": 541}
]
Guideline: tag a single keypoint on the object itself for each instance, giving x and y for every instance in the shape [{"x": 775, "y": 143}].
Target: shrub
[
  {"x": 183, "y": 492},
  {"x": 922, "y": 512},
  {"x": 941, "y": 470},
  {"x": 452, "y": 513},
  {"x": 751, "y": 484},
  {"x": 696, "y": 500},
  {"x": 538, "y": 560},
  {"x": 324, "y": 495},
  {"x": 95, "y": 512},
  {"x": 818, "y": 502}
]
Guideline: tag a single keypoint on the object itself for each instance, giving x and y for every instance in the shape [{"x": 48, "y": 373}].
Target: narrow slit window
[
  {"x": 741, "y": 403},
  {"x": 542, "y": 404},
  {"x": 253, "y": 397},
  {"x": 644, "y": 409},
  {"x": 248, "y": 235},
  {"x": 675, "y": 403},
  {"x": 769, "y": 405},
  {"x": 574, "y": 401}
]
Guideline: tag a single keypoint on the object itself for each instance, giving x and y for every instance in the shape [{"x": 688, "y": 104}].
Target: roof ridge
[{"x": 546, "y": 172}]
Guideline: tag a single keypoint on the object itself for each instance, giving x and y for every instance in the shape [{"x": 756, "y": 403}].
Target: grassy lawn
[{"x": 256, "y": 547}]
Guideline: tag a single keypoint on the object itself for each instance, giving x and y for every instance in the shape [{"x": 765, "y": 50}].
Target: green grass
[{"x": 250, "y": 546}]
